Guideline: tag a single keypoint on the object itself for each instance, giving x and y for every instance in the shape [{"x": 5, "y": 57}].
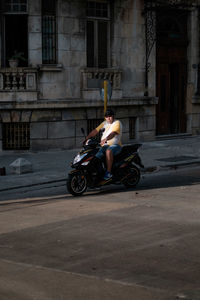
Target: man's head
[{"x": 109, "y": 115}]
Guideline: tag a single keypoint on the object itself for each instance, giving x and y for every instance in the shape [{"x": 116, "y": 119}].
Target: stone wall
[
  {"x": 60, "y": 127},
  {"x": 128, "y": 48}
]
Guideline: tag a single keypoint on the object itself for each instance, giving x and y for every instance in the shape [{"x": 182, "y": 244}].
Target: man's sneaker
[{"x": 107, "y": 176}]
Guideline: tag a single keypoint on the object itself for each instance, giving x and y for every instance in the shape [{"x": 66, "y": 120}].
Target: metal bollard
[{"x": 2, "y": 171}]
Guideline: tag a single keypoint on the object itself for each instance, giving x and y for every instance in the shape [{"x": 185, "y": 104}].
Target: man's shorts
[{"x": 116, "y": 149}]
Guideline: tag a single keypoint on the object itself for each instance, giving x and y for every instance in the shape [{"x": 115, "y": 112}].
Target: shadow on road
[{"x": 57, "y": 192}]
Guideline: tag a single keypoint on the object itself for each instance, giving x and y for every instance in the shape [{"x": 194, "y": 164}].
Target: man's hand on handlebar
[{"x": 103, "y": 142}]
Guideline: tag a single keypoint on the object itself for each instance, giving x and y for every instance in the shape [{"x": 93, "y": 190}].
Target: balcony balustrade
[
  {"x": 18, "y": 79},
  {"x": 92, "y": 80}
]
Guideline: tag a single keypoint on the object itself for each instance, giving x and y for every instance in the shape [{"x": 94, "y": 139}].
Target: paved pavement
[{"x": 54, "y": 166}]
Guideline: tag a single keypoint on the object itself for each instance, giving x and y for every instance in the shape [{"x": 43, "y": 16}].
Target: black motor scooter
[{"x": 88, "y": 170}]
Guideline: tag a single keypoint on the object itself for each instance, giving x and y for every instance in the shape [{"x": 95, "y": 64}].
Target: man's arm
[
  {"x": 109, "y": 137},
  {"x": 95, "y": 131},
  {"x": 91, "y": 134}
]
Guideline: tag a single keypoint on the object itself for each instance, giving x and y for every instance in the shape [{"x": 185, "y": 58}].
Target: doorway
[{"x": 171, "y": 72}]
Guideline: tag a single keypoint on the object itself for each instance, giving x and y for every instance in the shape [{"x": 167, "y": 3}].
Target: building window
[
  {"x": 49, "y": 32},
  {"x": 132, "y": 128},
  {"x": 16, "y": 136},
  {"x": 98, "y": 33},
  {"x": 14, "y": 32},
  {"x": 15, "y": 6}
]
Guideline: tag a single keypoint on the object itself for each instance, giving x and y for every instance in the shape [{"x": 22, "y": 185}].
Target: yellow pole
[{"x": 105, "y": 86}]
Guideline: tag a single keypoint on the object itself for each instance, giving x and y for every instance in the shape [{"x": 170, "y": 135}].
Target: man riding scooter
[{"x": 110, "y": 140}]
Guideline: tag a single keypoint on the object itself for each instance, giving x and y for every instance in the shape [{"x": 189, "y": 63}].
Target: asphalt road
[{"x": 108, "y": 244}]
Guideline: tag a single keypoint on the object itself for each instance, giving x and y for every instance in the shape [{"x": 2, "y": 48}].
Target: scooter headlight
[{"x": 78, "y": 157}]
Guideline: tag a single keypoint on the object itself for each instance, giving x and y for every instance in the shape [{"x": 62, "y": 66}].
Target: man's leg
[
  {"x": 110, "y": 153},
  {"x": 100, "y": 154},
  {"x": 109, "y": 159}
]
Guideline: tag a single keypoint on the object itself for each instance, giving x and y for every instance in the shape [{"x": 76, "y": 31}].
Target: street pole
[{"x": 105, "y": 86}]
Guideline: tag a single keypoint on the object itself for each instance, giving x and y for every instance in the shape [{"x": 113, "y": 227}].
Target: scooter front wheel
[
  {"x": 133, "y": 178},
  {"x": 76, "y": 183}
]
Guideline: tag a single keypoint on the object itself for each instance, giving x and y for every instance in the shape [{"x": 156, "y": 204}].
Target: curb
[
  {"x": 153, "y": 169},
  {"x": 31, "y": 185}
]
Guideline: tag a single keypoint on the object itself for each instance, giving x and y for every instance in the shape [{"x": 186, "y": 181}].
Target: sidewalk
[{"x": 54, "y": 166}]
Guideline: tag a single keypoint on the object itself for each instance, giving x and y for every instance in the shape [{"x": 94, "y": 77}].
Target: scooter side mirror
[{"x": 82, "y": 130}]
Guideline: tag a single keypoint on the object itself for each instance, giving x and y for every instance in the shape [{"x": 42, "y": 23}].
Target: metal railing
[{"x": 16, "y": 136}]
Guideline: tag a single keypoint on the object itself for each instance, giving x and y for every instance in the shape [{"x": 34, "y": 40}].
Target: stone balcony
[
  {"x": 18, "y": 84},
  {"x": 92, "y": 79}
]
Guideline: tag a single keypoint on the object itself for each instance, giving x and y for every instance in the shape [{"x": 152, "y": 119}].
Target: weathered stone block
[
  {"x": 21, "y": 166},
  {"x": 65, "y": 8},
  {"x": 77, "y": 43},
  {"x": 25, "y": 116},
  {"x": 100, "y": 113},
  {"x": 146, "y": 110},
  {"x": 125, "y": 138},
  {"x": 146, "y": 135},
  {"x": 48, "y": 115},
  {"x": 35, "y": 7},
  {"x": 35, "y": 56},
  {"x": 63, "y": 42},
  {"x": 65, "y": 57},
  {"x": 38, "y": 130},
  {"x": 53, "y": 90},
  {"x": 15, "y": 116},
  {"x": 5, "y": 116},
  {"x": 91, "y": 94},
  {"x": 146, "y": 123},
  {"x": 79, "y": 142},
  {"x": 67, "y": 115},
  {"x": 19, "y": 96},
  {"x": 81, "y": 124},
  {"x": 77, "y": 114},
  {"x": 91, "y": 113},
  {"x": 64, "y": 129},
  {"x": 77, "y": 59},
  {"x": 34, "y": 24},
  {"x": 70, "y": 25},
  {"x": 35, "y": 40},
  {"x": 121, "y": 112},
  {"x": 125, "y": 125},
  {"x": 53, "y": 144}
]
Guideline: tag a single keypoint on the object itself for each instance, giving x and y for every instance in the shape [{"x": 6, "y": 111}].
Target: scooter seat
[{"x": 127, "y": 149}]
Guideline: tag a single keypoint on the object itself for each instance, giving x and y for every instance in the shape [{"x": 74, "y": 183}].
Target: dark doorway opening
[
  {"x": 16, "y": 38},
  {"x": 171, "y": 70}
]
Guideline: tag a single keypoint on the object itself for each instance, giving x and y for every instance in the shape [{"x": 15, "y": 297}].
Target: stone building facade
[{"x": 148, "y": 51}]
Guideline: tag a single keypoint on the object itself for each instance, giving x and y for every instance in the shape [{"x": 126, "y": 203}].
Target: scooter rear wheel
[
  {"x": 133, "y": 178},
  {"x": 76, "y": 184}
]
